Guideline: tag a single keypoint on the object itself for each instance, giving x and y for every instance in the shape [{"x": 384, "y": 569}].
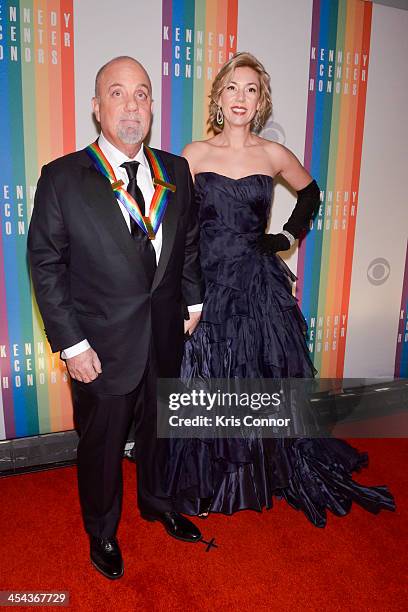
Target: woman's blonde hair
[{"x": 241, "y": 60}]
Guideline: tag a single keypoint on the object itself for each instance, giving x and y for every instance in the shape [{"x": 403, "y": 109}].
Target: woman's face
[{"x": 239, "y": 98}]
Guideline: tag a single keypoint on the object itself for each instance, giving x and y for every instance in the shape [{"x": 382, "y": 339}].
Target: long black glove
[
  {"x": 307, "y": 204},
  {"x": 268, "y": 244}
]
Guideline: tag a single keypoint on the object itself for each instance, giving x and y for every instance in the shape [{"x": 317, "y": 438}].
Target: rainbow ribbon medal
[{"x": 150, "y": 224}]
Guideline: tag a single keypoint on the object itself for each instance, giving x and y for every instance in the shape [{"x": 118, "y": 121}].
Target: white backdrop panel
[
  {"x": 103, "y": 30},
  {"x": 382, "y": 220}
]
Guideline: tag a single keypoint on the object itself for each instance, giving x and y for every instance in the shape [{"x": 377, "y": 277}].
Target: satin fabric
[{"x": 252, "y": 327}]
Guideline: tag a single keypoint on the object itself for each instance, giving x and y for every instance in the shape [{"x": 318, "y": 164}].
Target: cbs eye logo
[
  {"x": 378, "y": 271},
  {"x": 273, "y": 131}
]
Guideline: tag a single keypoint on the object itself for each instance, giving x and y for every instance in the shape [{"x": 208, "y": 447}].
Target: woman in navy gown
[{"x": 251, "y": 325}]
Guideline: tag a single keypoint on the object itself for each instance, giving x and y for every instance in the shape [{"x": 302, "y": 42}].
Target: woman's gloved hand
[
  {"x": 269, "y": 244},
  {"x": 306, "y": 207}
]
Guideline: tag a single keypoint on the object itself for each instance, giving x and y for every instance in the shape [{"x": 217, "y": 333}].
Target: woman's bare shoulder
[
  {"x": 194, "y": 152},
  {"x": 287, "y": 164},
  {"x": 274, "y": 149},
  {"x": 197, "y": 147}
]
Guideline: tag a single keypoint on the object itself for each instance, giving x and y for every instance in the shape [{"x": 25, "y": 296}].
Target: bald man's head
[{"x": 120, "y": 58}]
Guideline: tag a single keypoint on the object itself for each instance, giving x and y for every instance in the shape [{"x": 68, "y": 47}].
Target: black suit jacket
[{"x": 89, "y": 282}]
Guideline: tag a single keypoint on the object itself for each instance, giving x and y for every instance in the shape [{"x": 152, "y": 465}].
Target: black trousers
[{"x": 103, "y": 422}]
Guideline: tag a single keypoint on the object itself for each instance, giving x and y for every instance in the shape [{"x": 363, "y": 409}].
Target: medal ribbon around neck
[{"x": 150, "y": 224}]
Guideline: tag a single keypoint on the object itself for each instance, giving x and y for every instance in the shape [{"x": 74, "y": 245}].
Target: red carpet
[{"x": 271, "y": 561}]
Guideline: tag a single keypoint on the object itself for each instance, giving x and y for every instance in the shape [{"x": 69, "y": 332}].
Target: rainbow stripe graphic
[
  {"x": 37, "y": 124},
  {"x": 339, "y": 58},
  {"x": 198, "y": 36},
  {"x": 401, "y": 355}
]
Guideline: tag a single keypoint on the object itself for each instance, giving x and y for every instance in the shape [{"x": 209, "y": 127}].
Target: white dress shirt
[{"x": 145, "y": 183}]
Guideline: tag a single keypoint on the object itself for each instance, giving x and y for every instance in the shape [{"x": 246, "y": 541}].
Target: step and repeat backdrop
[{"x": 339, "y": 88}]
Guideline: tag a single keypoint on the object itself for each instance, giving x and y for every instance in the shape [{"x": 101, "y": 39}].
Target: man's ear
[{"x": 95, "y": 108}]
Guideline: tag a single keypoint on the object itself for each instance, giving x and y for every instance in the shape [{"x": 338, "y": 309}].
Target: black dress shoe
[
  {"x": 176, "y": 525},
  {"x": 106, "y": 557}
]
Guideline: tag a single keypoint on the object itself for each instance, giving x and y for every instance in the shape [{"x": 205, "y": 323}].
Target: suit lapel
[{"x": 169, "y": 227}]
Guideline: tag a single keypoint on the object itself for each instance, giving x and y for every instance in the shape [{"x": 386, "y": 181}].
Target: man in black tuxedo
[{"x": 112, "y": 301}]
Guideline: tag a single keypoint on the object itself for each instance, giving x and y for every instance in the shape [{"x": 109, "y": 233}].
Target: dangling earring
[
  {"x": 220, "y": 116},
  {"x": 256, "y": 122}
]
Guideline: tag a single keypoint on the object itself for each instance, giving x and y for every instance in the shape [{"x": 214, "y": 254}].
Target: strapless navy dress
[{"x": 252, "y": 327}]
